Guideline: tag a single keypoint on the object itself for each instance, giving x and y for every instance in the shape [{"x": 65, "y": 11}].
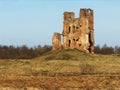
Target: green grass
[{"x": 64, "y": 61}]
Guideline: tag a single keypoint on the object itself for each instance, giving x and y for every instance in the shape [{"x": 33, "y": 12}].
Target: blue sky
[{"x": 33, "y": 22}]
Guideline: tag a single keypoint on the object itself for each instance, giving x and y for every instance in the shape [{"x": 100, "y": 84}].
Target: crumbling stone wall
[
  {"x": 77, "y": 32},
  {"x": 56, "y": 41}
]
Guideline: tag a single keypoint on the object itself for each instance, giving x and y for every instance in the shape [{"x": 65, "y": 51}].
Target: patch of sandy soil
[{"x": 46, "y": 81}]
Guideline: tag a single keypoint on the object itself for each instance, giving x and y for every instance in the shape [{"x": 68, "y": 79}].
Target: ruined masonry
[{"x": 77, "y": 32}]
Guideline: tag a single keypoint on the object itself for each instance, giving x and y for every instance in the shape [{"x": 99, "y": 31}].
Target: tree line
[
  {"x": 107, "y": 49},
  {"x": 24, "y": 52}
]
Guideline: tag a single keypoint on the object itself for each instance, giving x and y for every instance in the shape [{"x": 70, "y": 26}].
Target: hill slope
[
  {"x": 62, "y": 69},
  {"x": 64, "y": 61}
]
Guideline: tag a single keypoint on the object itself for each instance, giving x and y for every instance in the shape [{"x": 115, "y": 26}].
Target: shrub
[{"x": 86, "y": 69}]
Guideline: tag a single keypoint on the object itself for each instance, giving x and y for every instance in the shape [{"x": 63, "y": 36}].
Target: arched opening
[
  {"x": 69, "y": 43},
  {"x": 69, "y": 29},
  {"x": 74, "y": 42}
]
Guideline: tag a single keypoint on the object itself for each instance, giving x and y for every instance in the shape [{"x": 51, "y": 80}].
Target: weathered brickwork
[{"x": 77, "y": 32}]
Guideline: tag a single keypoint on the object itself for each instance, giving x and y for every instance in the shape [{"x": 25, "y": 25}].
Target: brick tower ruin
[{"x": 77, "y": 32}]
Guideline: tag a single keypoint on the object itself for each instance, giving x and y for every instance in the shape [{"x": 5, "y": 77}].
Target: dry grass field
[{"x": 62, "y": 70}]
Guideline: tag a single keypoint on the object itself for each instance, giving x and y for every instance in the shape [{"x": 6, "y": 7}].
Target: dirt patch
[{"x": 41, "y": 81}]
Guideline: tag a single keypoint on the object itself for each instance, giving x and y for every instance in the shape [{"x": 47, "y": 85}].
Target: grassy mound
[{"x": 73, "y": 54}]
